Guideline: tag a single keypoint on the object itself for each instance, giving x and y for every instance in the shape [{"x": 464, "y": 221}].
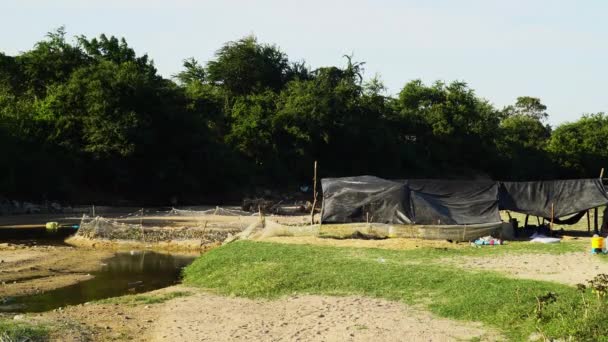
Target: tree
[
  {"x": 193, "y": 73},
  {"x": 528, "y": 106},
  {"x": 251, "y": 131},
  {"x": 116, "y": 128},
  {"x": 453, "y": 128},
  {"x": 245, "y": 66},
  {"x": 521, "y": 143},
  {"x": 331, "y": 118},
  {"x": 581, "y": 147},
  {"x": 50, "y": 62}
]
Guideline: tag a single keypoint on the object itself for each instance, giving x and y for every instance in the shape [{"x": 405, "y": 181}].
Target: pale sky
[{"x": 552, "y": 49}]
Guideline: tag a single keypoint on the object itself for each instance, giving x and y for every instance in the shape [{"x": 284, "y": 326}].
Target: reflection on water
[{"x": 125, "y": 273}]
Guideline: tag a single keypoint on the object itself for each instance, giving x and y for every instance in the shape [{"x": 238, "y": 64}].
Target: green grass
[
  {"x": 143, "y": 299},
  {"x": 22, "y": 331},
  {"x": 255, "y": 269}
]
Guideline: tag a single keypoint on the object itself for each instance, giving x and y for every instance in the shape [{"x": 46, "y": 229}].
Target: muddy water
[
  {"x": 35, "y": 236},
  {"x": 124, "y": 273}
]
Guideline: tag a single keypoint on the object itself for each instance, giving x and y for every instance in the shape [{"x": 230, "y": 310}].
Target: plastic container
[
  {"x": 597, "y": 244},
  {"x": 52, "y": 225}
]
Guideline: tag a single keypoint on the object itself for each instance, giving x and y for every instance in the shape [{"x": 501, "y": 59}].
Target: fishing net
[
  {"x": 215, "y": 211},
  {"x": 112, "y": 229}
]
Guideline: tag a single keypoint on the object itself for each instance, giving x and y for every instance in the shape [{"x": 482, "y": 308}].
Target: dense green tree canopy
[{"x": 90, "y": 118}]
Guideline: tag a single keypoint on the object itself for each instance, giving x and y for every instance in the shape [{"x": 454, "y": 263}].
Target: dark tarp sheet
[
  {"x": 567, "y": 196},
  {"x": 362, "y": 199},
  {"x": 453, "y": 202},
  {"x": 438, "y": 202}
]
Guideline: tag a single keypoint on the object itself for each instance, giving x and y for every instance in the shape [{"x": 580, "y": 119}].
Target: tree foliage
[{"x": 93, "y": 119}]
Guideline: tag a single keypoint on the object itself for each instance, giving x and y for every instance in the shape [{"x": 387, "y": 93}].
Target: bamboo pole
[{"x": 314, "y": 201}]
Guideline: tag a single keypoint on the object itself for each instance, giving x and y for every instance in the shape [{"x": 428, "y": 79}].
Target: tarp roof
[
  {"x": 421, "y": 201},
  {"x": 452, "y": 202},
  {"x": 567, "y": 196}
]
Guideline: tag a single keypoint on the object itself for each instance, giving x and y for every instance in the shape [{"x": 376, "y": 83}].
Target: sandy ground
[
  {"x": 206, "y": 317},
  {"x": 568, "y": 268},
  {"x": 167, "y": 246},
  {"x": 202, "y": 316},
  {"x": 27, "y": 270}
]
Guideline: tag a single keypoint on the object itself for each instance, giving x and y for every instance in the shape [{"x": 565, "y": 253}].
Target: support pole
[
  {"x": 595, "y": 225},
  {"x": 526, "y": 221},
  {"x": 141, "y": 225},
  {"x": 588, "y": 222},
  {"x": 552, "y": 214},
  {"x": 538, "y": 221},
  {"x": 314, "y": 201}
]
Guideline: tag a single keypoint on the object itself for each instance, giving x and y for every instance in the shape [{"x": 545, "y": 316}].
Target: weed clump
[{"x": 21, "y": 331}]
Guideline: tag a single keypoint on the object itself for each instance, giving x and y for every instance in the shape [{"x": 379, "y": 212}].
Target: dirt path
[
  {"x": 201, "y": 316},
  {"x": 207, "y": 317},
  {"x": 569, "y": 268}
]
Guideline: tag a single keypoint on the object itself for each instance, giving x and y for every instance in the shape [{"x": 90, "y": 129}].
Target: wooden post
[
  {"x": 588, "y": 222},
  {"x": 595, "y": 225},
  {"x": 314, "y": 193},
  {"x": 509, "y": 214},
  {"x": 595, "y": 211},
  {"x": 93, "y": 210},
  {"x": 538, "y": 221},
  {"x": 552, "y": 214},
  {"x": 141, "y": 225},
  {"x": 526, "y": 221}
]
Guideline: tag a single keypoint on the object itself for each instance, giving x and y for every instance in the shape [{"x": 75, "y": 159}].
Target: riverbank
[
  {"x": 250, "y": 290},
  {"x": 26, "y": 270}
]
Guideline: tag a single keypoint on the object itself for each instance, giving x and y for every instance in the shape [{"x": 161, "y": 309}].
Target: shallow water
[
  {"x": 124, "y": 273},
  {"x": 36, "y": 236}
]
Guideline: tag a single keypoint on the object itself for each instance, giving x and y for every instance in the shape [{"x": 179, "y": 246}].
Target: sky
[{"x": 551, "y": 49}]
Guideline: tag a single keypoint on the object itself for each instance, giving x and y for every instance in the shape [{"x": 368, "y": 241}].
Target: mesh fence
[
  {"x": 111, "y": 229},
  {"x": 215, "y": 211},
  {"x": 224, "y": 225}
]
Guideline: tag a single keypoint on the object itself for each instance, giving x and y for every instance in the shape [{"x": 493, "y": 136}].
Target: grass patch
[
  {"x": 144, "y": 298},
  {"x": 255, "y": 269},
  {"x": 526, "y": 247},
  {"x": 22, "y": 331},
  {"x": 512, "y": 247}
]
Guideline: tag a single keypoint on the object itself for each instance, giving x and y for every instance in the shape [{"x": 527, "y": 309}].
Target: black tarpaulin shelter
[
  {"x": 452, "y": 202},
  {"x": 421, "y": 201},
  {"x": 566, "y": 196},
  {"x": 364, "y": 199}
]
